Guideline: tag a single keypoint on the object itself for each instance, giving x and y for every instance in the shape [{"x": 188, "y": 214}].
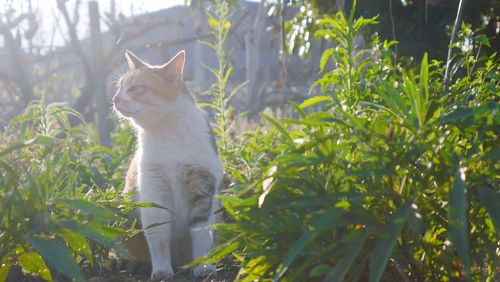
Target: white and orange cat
[{"x": 176, "y": 164}]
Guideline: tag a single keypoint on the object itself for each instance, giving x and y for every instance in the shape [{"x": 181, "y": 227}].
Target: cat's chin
[{"x": 126, "y": 113}]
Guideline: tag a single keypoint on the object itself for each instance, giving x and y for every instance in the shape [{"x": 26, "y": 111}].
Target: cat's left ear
[
  {"x": 176, "y": 64},
  {"x": 133, "y": 61}
]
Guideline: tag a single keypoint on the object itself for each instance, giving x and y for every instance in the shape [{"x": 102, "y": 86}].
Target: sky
[{"x": 52, "y": 29}]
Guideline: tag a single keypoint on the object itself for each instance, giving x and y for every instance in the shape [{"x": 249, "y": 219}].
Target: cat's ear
[
  {"x": 176, "y": 64},
  {"x": 132, "y": 60}
]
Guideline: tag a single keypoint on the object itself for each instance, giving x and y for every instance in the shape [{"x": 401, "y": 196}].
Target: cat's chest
[{"x": 178, "y": 149}]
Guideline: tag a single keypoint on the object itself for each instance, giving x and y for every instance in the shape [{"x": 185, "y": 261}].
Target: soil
[
  {"x": 183, "y": 276},
  {"x": 223, "y": 274}
]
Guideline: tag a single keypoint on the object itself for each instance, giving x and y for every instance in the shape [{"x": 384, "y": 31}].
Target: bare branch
[
  {"x": 5, "y": 27},
  {"x": 74, "y": 41}
]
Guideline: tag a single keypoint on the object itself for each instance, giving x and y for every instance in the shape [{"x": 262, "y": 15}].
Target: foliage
[
  {"x": 219, "y": 92},
  {"x": 220, "y": 24},
  {"x": 419, "y": 25},
  {"x": 59, "y": 194},
  {"x": 385, "y": 176}
]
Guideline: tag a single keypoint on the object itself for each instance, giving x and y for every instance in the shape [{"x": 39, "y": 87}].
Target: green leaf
[
  {"x": 39, "y": 140},
  {"x": 344, "y": 264},
  {"x": 280, "y": 128},
  {"x": 320, "y": 270},
  {"x": 457, "y": 221},
  {"x": 98, "y": 236},
  {"x": 4, "y": 270},
  {"x": 219, "y": 252},
  {"x": 314, "y": 100},
  {"x": 423, "y": 96},
  {"x": 387, "y": 241},
  {"x": 491, "y": 202},
  {"x": 462, "y": 113},
  {"x": 34, "y": 263},
  {"x": 57, "y": 256},
  {"x": 324, "y": 59},
  {"x": 89, "y": 208},
  {"x": 76, "y": 242},
  {"x": 327, "y": 221}
]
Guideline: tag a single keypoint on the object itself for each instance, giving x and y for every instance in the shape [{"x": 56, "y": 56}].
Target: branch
[
  {"x": 162, "y": 43},
  {"x": 121, "y": 40},
  {"x": 5, "y": 27},
  {"x": 75, "y": 42}
]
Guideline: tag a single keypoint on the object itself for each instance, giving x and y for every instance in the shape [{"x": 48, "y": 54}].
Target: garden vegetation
[{"x": 386, "y": 175}]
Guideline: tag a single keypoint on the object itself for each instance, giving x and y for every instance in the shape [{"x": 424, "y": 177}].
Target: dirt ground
[
  {"x": 183, "y": 276},
  {"x": 223, "y": 274}
]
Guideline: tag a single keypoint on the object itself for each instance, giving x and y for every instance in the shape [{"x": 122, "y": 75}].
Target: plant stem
[{"x": 458, "y": 19}]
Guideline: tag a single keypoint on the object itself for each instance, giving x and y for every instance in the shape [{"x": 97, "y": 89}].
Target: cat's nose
[{"x": 116, "y": 99}]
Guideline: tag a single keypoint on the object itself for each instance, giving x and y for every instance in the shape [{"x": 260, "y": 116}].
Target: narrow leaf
[
  {"x": 324, "y": 59},
  {"x": 4, "y": 270},
  {"x": 34, "y": 263},
  {"x": 315, "y": 100},
  {"x": 280, "y": 128},
  {"x": 344, "y": 264},
  {"x": 491, "y": 202},
  {"x": 88, "y": 207},
  {"x": 327, "y": 221},
  {"x": 57, "y": 256},
  {"x": 462, "y": 113},
  {"x": 387, "y": 241},
  {"x": 457, "y": 221}
]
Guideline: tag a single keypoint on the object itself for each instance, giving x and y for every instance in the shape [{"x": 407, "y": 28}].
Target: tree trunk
[{"x": 99, "y": 75}]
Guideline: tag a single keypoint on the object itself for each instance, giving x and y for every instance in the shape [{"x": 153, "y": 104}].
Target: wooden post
[{"x": 99, "y": 79}]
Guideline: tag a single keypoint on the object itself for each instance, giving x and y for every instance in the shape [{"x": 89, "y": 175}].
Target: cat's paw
[
  {"x": 162, "y": 274},
  {"x": 203, "y": 270}
]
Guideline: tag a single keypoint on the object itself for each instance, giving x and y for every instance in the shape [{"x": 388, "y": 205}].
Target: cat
[{"x": 176, "y": 164}]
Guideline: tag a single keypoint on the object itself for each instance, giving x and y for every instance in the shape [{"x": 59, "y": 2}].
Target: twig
[
  {"x": 458, "y": 19},
  {"x": 393, "y": 29}
]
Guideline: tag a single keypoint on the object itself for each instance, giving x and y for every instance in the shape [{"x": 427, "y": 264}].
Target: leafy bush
[
  {"x": 60, "y": 208},
  {"x": 385, "y": 177}
]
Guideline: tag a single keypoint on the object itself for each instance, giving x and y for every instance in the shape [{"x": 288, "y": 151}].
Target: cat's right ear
[{"x": 132, "y": 60}]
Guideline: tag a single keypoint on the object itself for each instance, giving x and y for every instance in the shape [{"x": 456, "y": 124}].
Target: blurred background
[{"x": 72, "y": 50}]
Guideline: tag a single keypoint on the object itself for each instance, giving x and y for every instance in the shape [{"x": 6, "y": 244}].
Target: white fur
[{"x": 170, "y": 137}]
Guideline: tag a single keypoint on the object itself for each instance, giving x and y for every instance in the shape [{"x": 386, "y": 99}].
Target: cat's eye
[{"x": 134, "y": 88}]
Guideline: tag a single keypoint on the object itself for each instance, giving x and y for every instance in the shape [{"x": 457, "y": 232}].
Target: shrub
[
  {"x": 59, "y": 194},
  {"x": 385, "y": 177}
]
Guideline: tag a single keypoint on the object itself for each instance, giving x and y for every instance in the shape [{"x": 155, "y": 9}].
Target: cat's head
[{"x": 147, "y": 94}]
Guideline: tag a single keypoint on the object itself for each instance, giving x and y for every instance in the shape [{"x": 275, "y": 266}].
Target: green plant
[
  {"x": 390, "y": 179},
  {"x": 59, "y": 194},
  {"x": 220, "y": 24}
]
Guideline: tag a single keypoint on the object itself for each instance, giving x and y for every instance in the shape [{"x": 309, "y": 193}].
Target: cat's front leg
[
  {"x": 154, "y": 189},
  {"x": 201, "y": 187}
]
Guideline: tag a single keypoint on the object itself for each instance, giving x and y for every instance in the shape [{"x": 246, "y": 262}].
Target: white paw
[
  {"x": 162, "y": 274},
  {"x": 203, "y": 270}
]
